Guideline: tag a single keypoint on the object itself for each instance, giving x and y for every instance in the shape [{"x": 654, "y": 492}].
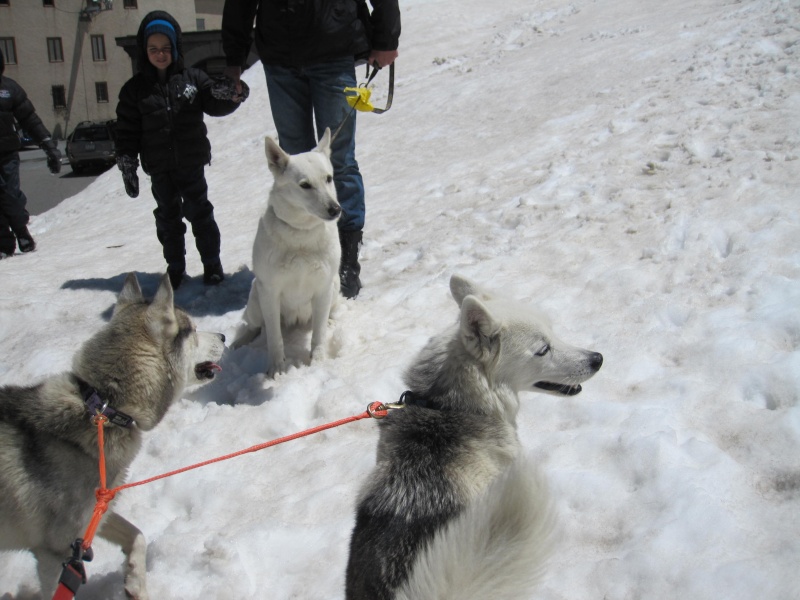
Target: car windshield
[{"x": 90, "y": 134}]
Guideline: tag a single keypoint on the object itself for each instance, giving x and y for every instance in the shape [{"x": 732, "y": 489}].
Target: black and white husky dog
[
  {"x": 452, "y": 510},
  {"x": 131, "y": 371}
]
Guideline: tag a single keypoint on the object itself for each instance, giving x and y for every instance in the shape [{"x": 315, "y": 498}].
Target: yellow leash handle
[{"x": 358, "y": 98}]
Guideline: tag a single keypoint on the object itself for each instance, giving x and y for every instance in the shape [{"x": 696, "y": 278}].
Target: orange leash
[
  {"x": 74, "y": 569},
  {"x": 376, "y": 410}
]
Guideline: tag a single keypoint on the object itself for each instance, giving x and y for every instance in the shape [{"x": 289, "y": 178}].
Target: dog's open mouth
[
  {"x": 205, "y": 370},
  {"x": 559, "y": 388}
]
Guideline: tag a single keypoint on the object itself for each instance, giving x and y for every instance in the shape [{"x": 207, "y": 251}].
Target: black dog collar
[
  {"x": 409, "y": 398},
  {"x": 95, "y": 405}
]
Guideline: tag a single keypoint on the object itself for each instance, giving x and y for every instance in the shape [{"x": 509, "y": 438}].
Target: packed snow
[{"x": 628, "y": 166}]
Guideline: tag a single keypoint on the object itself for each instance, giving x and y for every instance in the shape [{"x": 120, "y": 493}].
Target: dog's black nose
[
  {"x": 334, "y": 210},
  {"x": 596, "y": 361}
]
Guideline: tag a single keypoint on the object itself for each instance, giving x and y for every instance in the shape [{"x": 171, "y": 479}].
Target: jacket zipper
[{"x": 165, "y": 89}]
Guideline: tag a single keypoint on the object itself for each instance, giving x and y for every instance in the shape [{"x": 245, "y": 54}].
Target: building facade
[{"x": 69, "y": 55}]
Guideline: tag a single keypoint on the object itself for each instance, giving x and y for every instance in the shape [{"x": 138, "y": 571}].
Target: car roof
[{"x": 83, "y": 124}]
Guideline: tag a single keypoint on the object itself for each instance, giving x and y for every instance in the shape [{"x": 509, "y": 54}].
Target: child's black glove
[
  {"x": 53, "y": 155},
  {"x": 224, "y": 88},
  {"x": 128, "y": 166}
]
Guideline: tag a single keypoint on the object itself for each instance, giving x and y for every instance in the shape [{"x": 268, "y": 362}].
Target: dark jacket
[
  {"x": 14, "y": 105},
  {"x": 162, "y": 122},
  {"x": 297, "y": 33}
]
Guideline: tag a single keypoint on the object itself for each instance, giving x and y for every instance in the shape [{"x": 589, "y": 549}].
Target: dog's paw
[
  {"x": 136, "y": 570},
  {"x": 276, "y": 367},
  {"x": 134, "y": 593},
  {"x": 319, "y": 353},
  {"x": 136, "y": 587}
]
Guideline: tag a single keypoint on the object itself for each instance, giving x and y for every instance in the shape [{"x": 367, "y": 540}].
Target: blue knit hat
[{"x": 165, "y": 27}]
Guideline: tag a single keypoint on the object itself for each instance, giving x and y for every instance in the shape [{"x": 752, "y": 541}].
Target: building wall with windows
[
  {"x": 209, "y": 14},
  {"x": 65, "y": 55}
]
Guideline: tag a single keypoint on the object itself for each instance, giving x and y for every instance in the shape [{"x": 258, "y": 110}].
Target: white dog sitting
[{"x": 296, "y": 253}]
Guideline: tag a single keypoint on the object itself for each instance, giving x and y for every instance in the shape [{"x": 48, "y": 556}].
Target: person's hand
[
  {"x": 235, "y": 74},
  {"x": 225, "y": 88},
  {"x": 128, "y": 165},
  {"x": 53, "y": 155},
  {"x": 382, "y": 58},
  {"x": 54, "y": 160}
]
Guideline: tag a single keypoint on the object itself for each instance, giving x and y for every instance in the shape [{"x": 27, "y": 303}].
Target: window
[
  {"x": 59, "y": 96},
  {"x": 9, "y": 50},
  {"x": 55, "y": 52},
  {"x": 98, "y": 48},
  {"x": 129, "y": 4},
  {"x": 101, "y": 89},
  {"x": 91, "y": 133},
  {"x": 48, "y": 3},
  {"x": 201, "y": 24}
]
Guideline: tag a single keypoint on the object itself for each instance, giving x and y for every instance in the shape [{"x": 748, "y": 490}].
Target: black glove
[
  {"x": 53, "y": 155},
  {"x": 128, "y": 166},
  {"x": 224, "y": 88}
]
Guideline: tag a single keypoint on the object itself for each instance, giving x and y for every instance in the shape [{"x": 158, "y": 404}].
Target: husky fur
[
  {"x": 296, "y": 253},
  {"x": 139, "y": 363},
  {"x": 452, "y": 510}
]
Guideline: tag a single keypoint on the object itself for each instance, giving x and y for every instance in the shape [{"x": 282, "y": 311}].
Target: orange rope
[{"x": 104, "y": 496}]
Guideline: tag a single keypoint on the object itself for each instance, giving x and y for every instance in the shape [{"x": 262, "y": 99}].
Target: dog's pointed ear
[
  {"x": 480, "y": 331},
  {"x": 324, "y": 144},
  {"x": 161, "y": 312},
  {"x": 276, "y": 157},
  {"x": 131, "y": 293},
  {"x": 164, "y": 294},
  {"x": 461, "y": 287}
]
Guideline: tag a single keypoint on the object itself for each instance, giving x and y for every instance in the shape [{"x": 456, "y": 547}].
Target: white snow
[{"x": 629, "y": 166}]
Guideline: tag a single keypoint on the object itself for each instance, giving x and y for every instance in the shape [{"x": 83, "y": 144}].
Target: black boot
[
  {"x": 349, "y": 269},
  {"x": 213, "y": 274},
  {"x": 176, "y": 273},
  {"x": 25, "y": 240}
]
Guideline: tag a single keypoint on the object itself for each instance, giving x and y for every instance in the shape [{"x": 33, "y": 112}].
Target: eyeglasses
[{"x": 152, "y": 50}]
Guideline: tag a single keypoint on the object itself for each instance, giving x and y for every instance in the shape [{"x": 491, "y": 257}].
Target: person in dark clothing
[
  {"x": 160, "y": 120},
  {"x": 16, "y": 111},
  {"x": 309, "y": 50}
]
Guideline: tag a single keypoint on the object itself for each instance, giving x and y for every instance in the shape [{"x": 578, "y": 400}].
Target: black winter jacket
[
  {"x": 162, "y": 122},
  {"x": 15, "y": 105},
  {"x": 297, "y": 33}
]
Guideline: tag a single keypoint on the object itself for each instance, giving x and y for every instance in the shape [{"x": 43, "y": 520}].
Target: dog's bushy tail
[{"x": 496, "y": 549}]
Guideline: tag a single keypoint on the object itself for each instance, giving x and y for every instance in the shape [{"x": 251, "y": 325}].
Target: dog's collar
[
  {"x": 410, "y": 398},
  {"x": 95, "y": 405}
]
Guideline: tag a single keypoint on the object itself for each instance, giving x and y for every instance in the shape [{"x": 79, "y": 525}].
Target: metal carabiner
[{"x": 378, "y": 410}]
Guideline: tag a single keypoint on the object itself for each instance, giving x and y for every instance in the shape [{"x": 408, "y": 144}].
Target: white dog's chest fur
[
  {"x": 280, "y": 244},
  {"x": 298, "y": 263}
]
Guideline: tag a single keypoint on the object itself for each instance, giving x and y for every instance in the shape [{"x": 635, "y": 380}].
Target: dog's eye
[
  {"x": 329, "y": 178},
  {"x": 305, "y": 185},
  {"x": 543, "y": 350}
]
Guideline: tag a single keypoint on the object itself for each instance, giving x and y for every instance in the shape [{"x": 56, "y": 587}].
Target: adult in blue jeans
[{"x": 309, "y": 50}]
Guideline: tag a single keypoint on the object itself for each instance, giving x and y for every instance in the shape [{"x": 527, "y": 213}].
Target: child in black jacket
[{"x": 160, "y": 119}]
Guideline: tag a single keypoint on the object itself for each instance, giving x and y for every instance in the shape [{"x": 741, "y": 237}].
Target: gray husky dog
[
  {"x": 132, "y": 370},
  {"x": 452, "y": 510}
]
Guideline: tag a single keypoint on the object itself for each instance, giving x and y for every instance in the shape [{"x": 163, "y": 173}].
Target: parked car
[{"x": 91, "y": 144}]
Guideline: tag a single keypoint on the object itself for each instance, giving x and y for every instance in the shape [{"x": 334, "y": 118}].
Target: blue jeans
[{"x": 303, "y": 97}]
